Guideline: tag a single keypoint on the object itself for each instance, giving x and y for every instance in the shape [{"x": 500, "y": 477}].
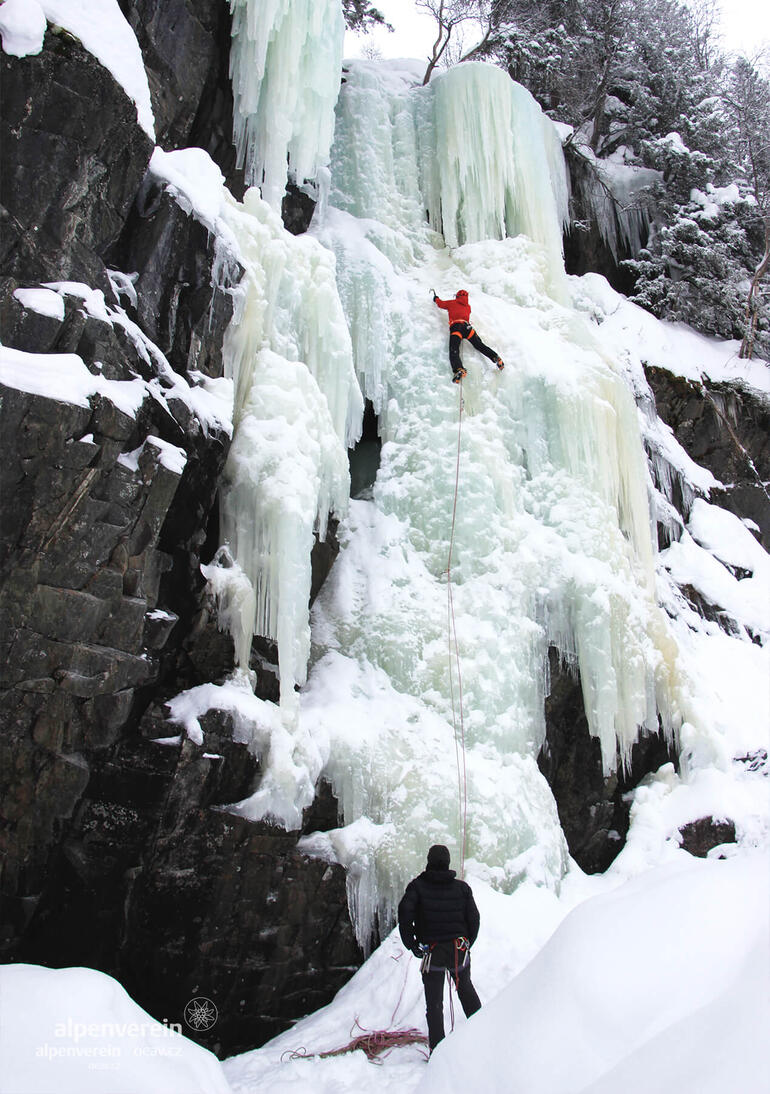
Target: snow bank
[
  {"x": 76, "y": 1031},
  {"x": 638, "y": 337},
  {"x": 611, "y": 971},
  {"x": 661, "y": 985},
  {"x": 101, "y": 27}
]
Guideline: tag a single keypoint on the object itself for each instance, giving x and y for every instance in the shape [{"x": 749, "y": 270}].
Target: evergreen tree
[{"x": 361, "y": 16}]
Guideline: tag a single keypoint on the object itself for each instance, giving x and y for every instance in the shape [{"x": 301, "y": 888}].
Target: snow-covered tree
[
  {"x": 748, "y": 98},
  {"x": 648, "y": 86},
  {"x": 705, "y": 264}
]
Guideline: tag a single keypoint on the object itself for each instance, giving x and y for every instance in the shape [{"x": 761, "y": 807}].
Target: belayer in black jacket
[{"x": 438, "y": 921}]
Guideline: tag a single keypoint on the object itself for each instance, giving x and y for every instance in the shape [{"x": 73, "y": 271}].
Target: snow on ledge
[
  {"x": 43, "y": 301},
  {"x": 209, "y": 399},
  {"x": 635, "y": 335},
  {"x": 65, "y": 378},
  {"x": 169, "y": 456},
  {"x": 195, "y": 180}
]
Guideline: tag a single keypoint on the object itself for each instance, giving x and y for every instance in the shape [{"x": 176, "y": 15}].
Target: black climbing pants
[
  {"x": 433, "y": 982},
  {"x": 457, "y": 332}
]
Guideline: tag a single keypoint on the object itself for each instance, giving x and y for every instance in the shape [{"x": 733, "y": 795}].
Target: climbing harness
[
  {"x": 462, "y": 782},
  {"x": 461, "y": 330},
  {"x": 460, "y": 946}
]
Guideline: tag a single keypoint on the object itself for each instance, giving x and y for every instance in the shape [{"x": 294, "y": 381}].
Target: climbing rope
[
  {"x": 454, "y": 655},
  {"x": 375, "y": 1043}
]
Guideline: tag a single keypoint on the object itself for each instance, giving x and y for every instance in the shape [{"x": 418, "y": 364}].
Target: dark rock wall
[
  {"x": 114, "y": 853},
  {"x": 593, "y": 809},
  {"x": 186, "y": 49},
  {"x": 727, "y": 430},
  {"x": 73, "y": 159}
]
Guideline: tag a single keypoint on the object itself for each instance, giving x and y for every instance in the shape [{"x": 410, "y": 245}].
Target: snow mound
[
  {"x": 682, "y": 1011},
  {"x": 76, "y": 1031}
]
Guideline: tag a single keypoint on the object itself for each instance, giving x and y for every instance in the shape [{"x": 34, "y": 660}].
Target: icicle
[
  {"x": 285, "y": 65},
  {"x": 297, "y": 409},
  {"x": 615, "y": 196},
  {"x": 494, "y": 166}
]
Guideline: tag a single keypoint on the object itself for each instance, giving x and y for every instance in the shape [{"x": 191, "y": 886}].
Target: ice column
[
  {"x": 472, "y": 148},
  {"x": 492, "y": 163},
  {"x": 297, "y": 409},
  {"x": 285, "y": 65}
]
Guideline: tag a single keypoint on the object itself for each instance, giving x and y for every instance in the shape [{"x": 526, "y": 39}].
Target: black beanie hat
[{"x": 438, "y": 857}]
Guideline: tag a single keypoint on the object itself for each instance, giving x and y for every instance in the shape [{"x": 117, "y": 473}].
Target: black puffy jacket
[{"x": 437, "y": 907}]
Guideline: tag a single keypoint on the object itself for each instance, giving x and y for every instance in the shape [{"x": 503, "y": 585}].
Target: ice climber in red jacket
[{"x": 459, "y": 327}]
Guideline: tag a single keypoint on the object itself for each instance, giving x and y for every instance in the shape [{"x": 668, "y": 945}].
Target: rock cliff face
[
  {"x": 113, "y": 855},
  {"x": 725, "y": 429},
  {"x": 593, "y": 810}
]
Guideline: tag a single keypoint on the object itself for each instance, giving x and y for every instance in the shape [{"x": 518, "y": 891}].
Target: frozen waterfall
[
  {"x": 298, "y": 406},
  {"x": 553, "y": 544},
  {"x": 459, "y": 184}
]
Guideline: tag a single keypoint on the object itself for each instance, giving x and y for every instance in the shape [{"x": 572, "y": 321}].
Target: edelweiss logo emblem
[{"x": 200, "y": 1013}]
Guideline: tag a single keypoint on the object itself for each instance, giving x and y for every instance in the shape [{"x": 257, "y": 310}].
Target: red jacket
[{"x": 459, "y": 310}]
